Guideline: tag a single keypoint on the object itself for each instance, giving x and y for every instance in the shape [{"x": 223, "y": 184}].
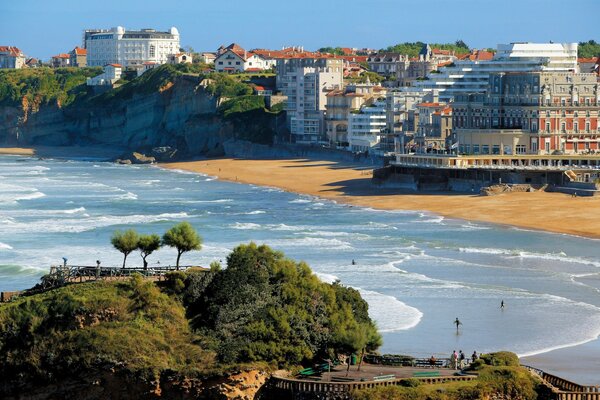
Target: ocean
[{"x": 418, "y": 271}]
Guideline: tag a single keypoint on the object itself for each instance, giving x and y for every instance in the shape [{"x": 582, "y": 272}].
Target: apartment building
[
  {"x": 530, "y": 113},
  {"x": 60, "y": 60},
  {"x": 306, "y": 79},
  {"x": 235, "y": 59},
  {"x": 434, "y": 131},
  {"x": 11, "y": 57},
  {"x": 130, "y": 48},
  {"x": 78, "y": 57},
  {"x": 341, "y": 103}
]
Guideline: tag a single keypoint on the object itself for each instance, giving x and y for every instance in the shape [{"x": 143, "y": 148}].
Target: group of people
[{"x": 459, "y": 359}]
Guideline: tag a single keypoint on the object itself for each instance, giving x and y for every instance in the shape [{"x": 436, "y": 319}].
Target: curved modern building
[{"x": 467, "y": 76}]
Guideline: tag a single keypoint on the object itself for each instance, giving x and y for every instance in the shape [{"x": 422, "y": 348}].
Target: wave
[
  {"x": 245, "y": 226},
  {"x": 255, "y": 212},
  {"x": 300, "y": 201},
  {"x": 561, "y": 256},
  {"x": 4, "y": 246},
  {"x": 389, "y": 313},
  {"x": 327, "y": 278},
  {"x": 312, "y": 242},
  {"x": 73, "y": 210},
  {"x": 126, "y": 196}
]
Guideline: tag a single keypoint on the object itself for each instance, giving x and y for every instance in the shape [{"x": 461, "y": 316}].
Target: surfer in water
[
  {"x": 502, "y": 305},
  {"x": 457, "y": 323}
]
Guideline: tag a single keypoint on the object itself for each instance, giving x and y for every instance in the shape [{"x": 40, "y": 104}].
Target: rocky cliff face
[{"x": 181, "y": 115}]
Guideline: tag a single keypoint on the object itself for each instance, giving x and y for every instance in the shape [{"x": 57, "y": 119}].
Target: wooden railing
[
  {"x": 302, "y": 385},
  {"x": 565, "y": 389}
]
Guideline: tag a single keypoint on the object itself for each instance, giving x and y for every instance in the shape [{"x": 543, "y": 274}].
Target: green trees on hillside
[
  {"x": 265, "y": 307},
  {"x": 589, "y": 49},
  {"x": 183, "y": 237},
  {"x": 125, "y": 242},
  {"x": 412, "y": 49}
]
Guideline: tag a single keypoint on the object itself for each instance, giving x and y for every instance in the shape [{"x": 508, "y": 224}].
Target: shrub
[{"x": 501, "y": 358}]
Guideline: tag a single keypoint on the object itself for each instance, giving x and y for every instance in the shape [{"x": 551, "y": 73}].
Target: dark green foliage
[
  {"x": 512, "y": 382},
  {"x": 332, "y": 50},
  {"x": 501, "y": 358},
  {"x": 266, "y": 307},
  {"x": 588, "y": 49},
  {"x": 148, "y": 244},
  {"x": 241, "y": 104},
  {"x": 413, "y": 49},
  {"x": 125, "y": 242},
  {"x": 225, "y": 85},
  {"x": 41, "y": 86}
]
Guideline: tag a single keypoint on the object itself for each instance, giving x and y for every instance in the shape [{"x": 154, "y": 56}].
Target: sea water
[{"x": 417, "y": 271}]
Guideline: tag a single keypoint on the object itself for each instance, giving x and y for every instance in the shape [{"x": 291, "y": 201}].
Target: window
[
  {"x": 563, "y": 102},
  {"x": 496, "y": 149},
  {"x": 237, "y": 63},
  {"x": 475, "y": 149},
  {"x": 587, "y": 127},
  {"x": 485, "y": 149},
  {"x": 576, "y": 127},
  {"x": 563, "y": 127},
  {"x": 547, "y": 146},
  {"x": 521, "y": 149},
  {"x": 152, "y": 51},
  {"x": 220, "y": 62},
  {"x": 548, "y": 127},
  {"x": 534, "y": 146}
]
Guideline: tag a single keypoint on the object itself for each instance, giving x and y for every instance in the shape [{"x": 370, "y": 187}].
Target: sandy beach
[{"x": 351, "y": 184}]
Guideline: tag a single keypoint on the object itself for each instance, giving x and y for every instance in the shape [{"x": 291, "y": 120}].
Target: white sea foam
[
  {"x": 312, "y": 242},
  {"x": 4, "y": 246},
  {"x": 327, "y": 278},
  {"x": 73, "y": 210},
  {"x": 245, "y": 226},
  {"x": 389, "y": 313},
  {"x": 255, "y": 212},
  {"x": 560, "y": 256},
  {"x": 300, "y": 201}
]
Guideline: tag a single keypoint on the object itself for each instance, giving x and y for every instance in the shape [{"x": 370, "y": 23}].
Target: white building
[
  {"x": 366, "y": 128},
  {"x": 467, "y": 76},
  {"x": 11, "y": 57},
  {"x": 235, "y": 59},
  {"x": 130, "y": 48},
  {"x": 111, "y": 74},
  {"x": 306, "y": 80}
]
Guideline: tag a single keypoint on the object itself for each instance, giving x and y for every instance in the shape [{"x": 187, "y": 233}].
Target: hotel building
[
  {"x": 130, "y": 48},
  {"x": 530, "y": 113},
  {"x": 471, "y": 76}
]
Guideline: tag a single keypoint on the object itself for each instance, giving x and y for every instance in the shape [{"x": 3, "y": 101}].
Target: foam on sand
[{"x": 389, "y": 313}]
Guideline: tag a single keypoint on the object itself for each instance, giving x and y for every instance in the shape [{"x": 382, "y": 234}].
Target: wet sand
[{"x": 351, "y": 184}]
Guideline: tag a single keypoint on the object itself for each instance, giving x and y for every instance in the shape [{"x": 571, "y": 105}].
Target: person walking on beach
[
  {"x": 457, "y": 323},
  {"x": 502, "y": 305},
  {"x": 461, "y": 357}
]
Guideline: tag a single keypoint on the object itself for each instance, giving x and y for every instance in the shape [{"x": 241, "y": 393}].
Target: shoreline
[{"x": 351, "y": 184}]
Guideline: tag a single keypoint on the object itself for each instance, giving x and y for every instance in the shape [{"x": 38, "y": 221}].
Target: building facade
[
  {"x": 471, "y": 75},
  {"x": 530, "y": 113},
  {"x": 340, "y": 104},
  {"x": 112, "y": 73},
  {"x": 366, "y": 128},
  {"x": 434, "y": 127},
  {"x": 60, "y": 60},
  {"x": 130, "y": 48},
  {"x": 11, "y": 57},
  {"x": 78, "y": 57},
  {"x": 305, "y": 80}
]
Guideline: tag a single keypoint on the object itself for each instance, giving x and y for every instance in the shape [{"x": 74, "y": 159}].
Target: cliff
[{"x": 165, "y": 108}]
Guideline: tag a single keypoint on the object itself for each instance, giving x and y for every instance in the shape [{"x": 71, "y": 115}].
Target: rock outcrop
[{"x": 179, "y": 120}]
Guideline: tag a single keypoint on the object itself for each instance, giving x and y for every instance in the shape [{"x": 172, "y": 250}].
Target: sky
[{"x": 42, "y": 28}]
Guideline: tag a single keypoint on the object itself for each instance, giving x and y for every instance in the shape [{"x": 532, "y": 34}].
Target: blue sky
[{"x": 42, "y": 28}]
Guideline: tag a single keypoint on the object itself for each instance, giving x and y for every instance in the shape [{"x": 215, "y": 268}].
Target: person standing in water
[
  {"x": 457, "y": 323},
  {"x": 502, "y": 305}
]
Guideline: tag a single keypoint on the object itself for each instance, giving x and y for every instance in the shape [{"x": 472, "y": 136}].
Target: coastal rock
[{"x": 139, "y": 158}]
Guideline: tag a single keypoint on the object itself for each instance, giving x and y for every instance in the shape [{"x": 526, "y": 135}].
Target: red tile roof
[
  {"x": 62, "y": 55},
  {"x": 11, "y": 50},
  {"x": 116, "y": 65},
  {"x": 441, "y": 52},
  {"x": 79, "y": 51},
  {"x": 429, "y": 104},
  {"x": 477, "y": 55}
]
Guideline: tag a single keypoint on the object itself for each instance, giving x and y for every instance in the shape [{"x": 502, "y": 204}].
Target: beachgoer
[
  {"x": 454, "y": 359},
  {"x": 98, "y": 263},
  {"x": 457, "y": 323},
  {"x": 353, "y": 262},
  {"x": 432, "y": 361},
  {"x": 474, "y": 356},
  {"x": 461, "y": 357},
  {"x": 502, "y": 304},
  {"x": 64, "y": 261}
]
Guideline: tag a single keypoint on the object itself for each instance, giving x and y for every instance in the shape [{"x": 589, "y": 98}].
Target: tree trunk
[
  {"x": 124, "y": 260},
  {"x": 349, "y": 361},
  {"x": 178, "y": 257},
  {"x": 362, "y": 354},
  {"x": 145, "y": 263}
]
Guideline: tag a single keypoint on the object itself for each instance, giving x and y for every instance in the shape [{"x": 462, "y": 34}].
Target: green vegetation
[
  {"x": 412, "y": 49},
  {"x": 263, "y": 309},
  {"x": 131, "y": 325},
  {"x": 332, "y": 50},
  {"x": 589, "y": 49},
  {"x": 33, "y": 87},
  {"x": 125, "y": 242},
  {"x": 225, "y": 85},
  {"x": 148, "y": 244},
  {"x": 241, "y": 104},
  {"x": 182, "y": 237},
  {"x": 373, "y": 77},
  {"x": 500, "y": 376}
]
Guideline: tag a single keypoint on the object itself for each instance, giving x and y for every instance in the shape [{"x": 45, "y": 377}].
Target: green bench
[
  {"x": 426, "y": 374},
  {"x": 384, "y": 377},
  {"x": 308, "y": 372}
]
